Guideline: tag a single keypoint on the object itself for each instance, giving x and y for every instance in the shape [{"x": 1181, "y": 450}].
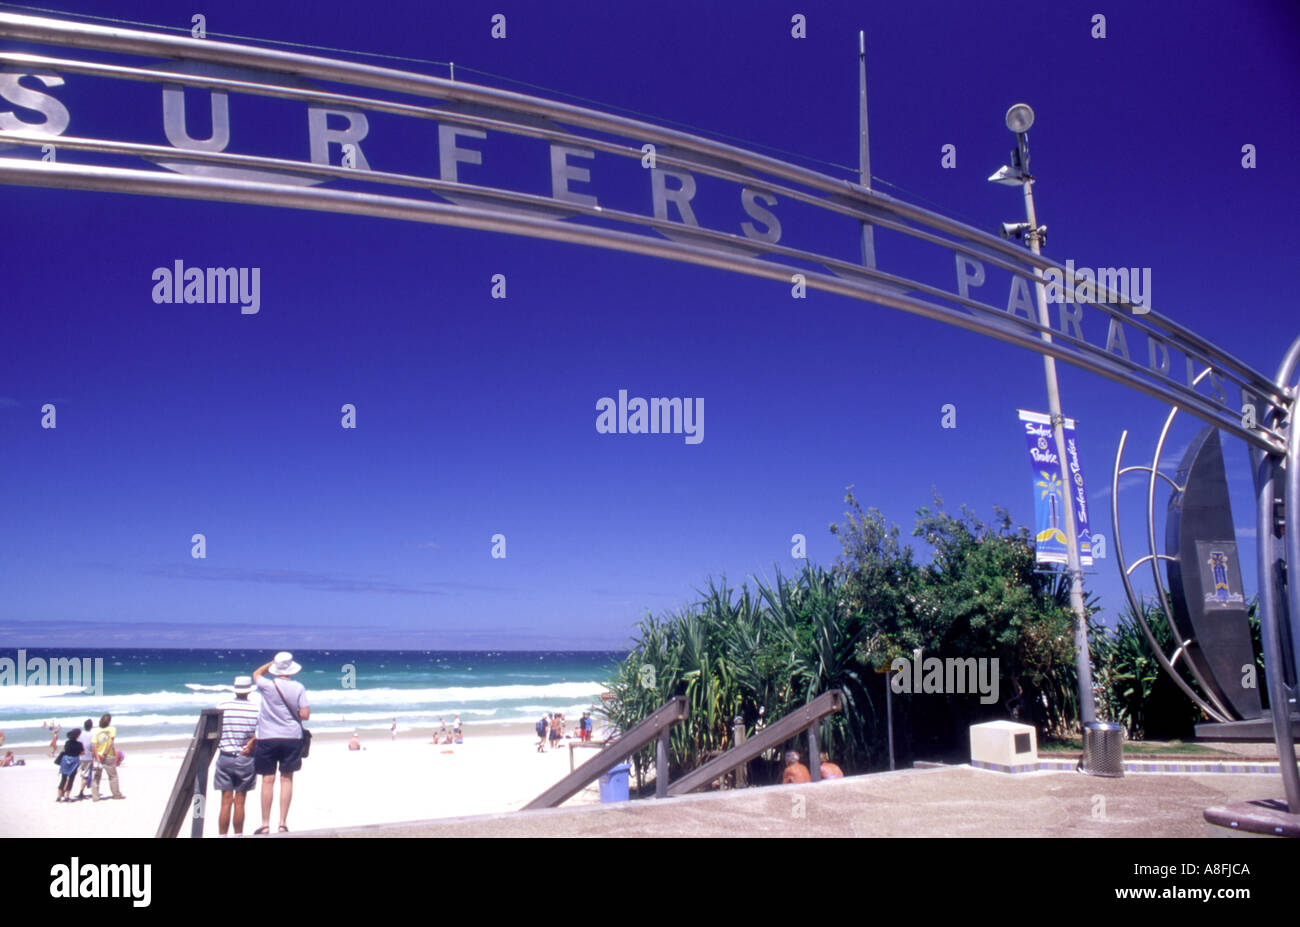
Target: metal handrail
[
  {"x": 654, "y": 727},
  {"x": 792, "y": 725},
  {"x": 192, "y": 779}
]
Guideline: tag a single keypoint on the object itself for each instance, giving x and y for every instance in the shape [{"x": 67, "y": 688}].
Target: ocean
[{"x": 156, "y": 694}]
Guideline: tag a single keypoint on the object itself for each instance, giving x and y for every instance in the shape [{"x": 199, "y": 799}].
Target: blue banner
[{"x": 1050, "y": 489}]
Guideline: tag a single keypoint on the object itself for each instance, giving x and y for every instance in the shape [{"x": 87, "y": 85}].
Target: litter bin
[
  {"x": 613, "y": 785},
  {"x": 1103, "y": 749}
]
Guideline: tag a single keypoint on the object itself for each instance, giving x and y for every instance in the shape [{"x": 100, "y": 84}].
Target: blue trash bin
[{"x": 613, "y": 785}]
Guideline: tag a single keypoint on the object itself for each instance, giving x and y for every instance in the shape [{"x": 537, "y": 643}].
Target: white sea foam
[
  {"x": 454, "y": 698},
  {"x": 23, "y": 695}
]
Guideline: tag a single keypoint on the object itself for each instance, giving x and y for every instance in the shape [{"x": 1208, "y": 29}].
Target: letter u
[{"x": 174, "y": 120}]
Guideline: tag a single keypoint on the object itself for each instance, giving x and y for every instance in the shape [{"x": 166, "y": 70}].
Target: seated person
[
  {"x": 8, "y": 760},
  {"x": 355, "y": 742},
  {"x": 829, "y": 770},
  {"x": 794, "y": 770}
]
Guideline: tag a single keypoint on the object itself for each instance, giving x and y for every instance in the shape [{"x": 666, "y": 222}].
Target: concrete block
[{"x": 1004, "y": 746}]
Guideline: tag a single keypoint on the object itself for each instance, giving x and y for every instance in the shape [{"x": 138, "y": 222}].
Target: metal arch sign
[{"x": 369, "y": 147}]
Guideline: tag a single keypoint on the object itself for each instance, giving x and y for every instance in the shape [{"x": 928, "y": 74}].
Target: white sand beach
[{"x": 388, "y": 781}]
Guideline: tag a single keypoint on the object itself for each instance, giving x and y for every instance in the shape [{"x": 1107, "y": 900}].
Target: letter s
[{"x": 55, "y": 113}]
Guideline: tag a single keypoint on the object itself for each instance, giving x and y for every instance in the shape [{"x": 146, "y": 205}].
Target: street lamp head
[{"x": 1020, "y": 117}]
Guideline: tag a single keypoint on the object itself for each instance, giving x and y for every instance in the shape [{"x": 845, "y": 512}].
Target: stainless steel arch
[
  {"x": 529, "y": 214},
  {"x": 289, "y": 76}
]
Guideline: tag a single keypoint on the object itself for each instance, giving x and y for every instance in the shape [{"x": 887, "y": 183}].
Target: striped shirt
[{"x": 238, "y": 724}]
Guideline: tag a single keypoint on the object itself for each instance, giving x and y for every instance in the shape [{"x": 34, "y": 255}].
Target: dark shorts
[
  {"x": 287, "y": 753},
  {"x": 234, "y": 774}
]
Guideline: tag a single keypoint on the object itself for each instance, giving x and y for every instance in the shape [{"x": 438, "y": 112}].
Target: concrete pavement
[{"x": 951, "y": 801}]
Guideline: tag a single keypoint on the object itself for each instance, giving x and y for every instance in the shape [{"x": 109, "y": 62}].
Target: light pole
[{"x": 1019, "y": 118}]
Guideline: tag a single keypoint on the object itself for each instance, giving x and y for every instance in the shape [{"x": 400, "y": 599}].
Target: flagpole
[{"x": 864, "y": 150}]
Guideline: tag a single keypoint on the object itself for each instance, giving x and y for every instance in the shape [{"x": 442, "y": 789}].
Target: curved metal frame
[
  {"x": 1277, "y": 672},
  {"x": 1280, "y": 692},
  {"x": 1214, "y": 711},
  {"x": 521, "y": 114},
  {"x": 1210, "y": 704}
]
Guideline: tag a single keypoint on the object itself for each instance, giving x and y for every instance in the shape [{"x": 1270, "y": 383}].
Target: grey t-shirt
[{"x": 274, "y": 720}]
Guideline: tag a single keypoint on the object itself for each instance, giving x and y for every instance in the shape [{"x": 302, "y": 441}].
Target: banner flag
[{"x": 1049, "y": 492}]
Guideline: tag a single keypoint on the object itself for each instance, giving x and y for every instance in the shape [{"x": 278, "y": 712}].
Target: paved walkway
[{"x": 954, "y": 801}]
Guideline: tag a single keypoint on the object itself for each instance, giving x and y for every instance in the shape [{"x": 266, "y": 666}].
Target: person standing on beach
[
  {"x": 54, "y": 738},
  {"x": 394, "y": 729},
  {"x": 235, "y": 775},
  {"x": 105, "y": 745},
  {"x": 87, "y": 768},
  {"x": 543, "y": 725},
  {"x": 279, "y": 733},
  {"x": 69, "y": 759}
]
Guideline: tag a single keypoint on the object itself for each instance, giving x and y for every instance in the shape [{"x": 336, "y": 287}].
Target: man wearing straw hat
[{"x": 279, "y": 733}]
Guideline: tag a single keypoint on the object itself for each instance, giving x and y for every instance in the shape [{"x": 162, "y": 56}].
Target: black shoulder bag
[{"x": 306, "y": 734}]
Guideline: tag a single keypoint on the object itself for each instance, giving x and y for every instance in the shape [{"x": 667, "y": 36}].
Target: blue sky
[{"x": 476, "y": 416}]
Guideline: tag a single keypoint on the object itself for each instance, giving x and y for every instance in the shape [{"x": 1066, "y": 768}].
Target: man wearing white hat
[
  {"x": 279, "y": 733},
  {"x": 235, "y": 775}
]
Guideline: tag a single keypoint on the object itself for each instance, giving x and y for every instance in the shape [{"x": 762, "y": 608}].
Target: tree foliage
[{"x": 753, "y": 654}]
